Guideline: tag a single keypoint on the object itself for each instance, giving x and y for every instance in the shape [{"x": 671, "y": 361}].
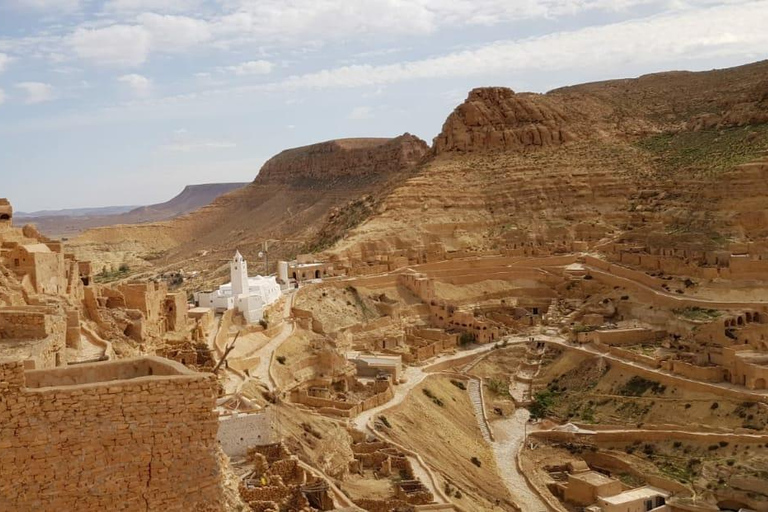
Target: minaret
[{"x": 238, "y": 269}]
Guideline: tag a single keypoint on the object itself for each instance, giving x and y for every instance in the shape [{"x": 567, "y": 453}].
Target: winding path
[{"x": 510, "y": 435}]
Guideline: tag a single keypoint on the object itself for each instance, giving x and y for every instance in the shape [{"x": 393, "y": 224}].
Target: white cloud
[
  {"x": 361, "y": 113},
  {"x": 37, "y": 92},
  {"x": 4, "y": 61},
  {"x": 174, "y": 33},
  {"x": 115, "y": 45},
  {"x": 309, "y": 20},
  {"x": 730, "y": 30},
  {"x": 162, "y": 6},
  {"x": 253, "y": 67},
  {"x": 140, "y": 85}
]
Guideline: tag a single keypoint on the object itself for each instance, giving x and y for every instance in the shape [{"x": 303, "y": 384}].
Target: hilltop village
[{"x": 529, "y": 315}]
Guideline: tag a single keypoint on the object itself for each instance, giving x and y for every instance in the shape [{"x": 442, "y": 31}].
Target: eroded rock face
[
  {"x": 495, "y": 118},
  {"x": 359, "y": 159}
]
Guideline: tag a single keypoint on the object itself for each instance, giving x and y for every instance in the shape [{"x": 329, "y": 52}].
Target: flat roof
[
  {"x": 640, "y": 493},
  {"x": 593, "y": 477},
  {"x": 36, "y": 248}
]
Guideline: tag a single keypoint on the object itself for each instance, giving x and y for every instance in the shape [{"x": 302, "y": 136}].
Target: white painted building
[{"x": 248, "y": 295}]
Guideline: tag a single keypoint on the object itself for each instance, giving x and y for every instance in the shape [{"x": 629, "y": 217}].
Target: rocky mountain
[
  {"x": 70, "y": 222},
  {"x": 674, "y": 160},
  {"x": 289, "y": 200}
]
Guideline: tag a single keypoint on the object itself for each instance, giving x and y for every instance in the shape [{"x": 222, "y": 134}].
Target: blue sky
[{"x": 114, "y": 102}]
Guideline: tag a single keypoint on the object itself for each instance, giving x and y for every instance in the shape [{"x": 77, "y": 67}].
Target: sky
[{"x": 124, "y": 102}]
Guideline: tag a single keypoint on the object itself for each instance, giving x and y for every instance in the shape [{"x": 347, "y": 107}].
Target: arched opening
[
  {"x": 756, "y": 317},
  {"x": 749, "y": 317},
  {"x": 294, "y": 275},
  {"x": 760, "y": 383},
  {"x": 5, "y": 216},
  {"x": 317, "y": 274},
  {"x": 740, "y": 321}
]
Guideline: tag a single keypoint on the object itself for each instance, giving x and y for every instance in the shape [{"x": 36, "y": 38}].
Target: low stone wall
[
  {"x": 629, "y": 355},
  {"x": 145, "y": 440},
  {"x": 705, "y": 373},
  {"x": 630, "y": 436},
  {"x": 340, "y": 408}
]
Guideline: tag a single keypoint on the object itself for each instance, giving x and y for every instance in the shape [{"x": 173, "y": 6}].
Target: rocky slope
[
  {"x": 664, "y": 159},
  {"x": 673, "y": 158},
  {"x": 288, "y": 201}
]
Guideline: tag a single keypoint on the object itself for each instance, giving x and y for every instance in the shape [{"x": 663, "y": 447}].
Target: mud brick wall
[
  {"x": 21, "y": 324},
  {"x": 141, "y": 443}
]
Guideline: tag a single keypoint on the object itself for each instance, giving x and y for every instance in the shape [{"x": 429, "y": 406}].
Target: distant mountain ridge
[
  {"x": 76, "y": 212},
  {"x": 70, "y": 222}
]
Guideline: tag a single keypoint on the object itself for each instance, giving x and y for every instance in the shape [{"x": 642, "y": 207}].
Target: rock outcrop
[
  {"x": 358, "y": 159},
  {"x": 495, "y": 118}
]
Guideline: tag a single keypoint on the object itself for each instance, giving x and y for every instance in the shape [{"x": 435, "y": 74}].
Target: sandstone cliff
[
  {"x": 495, "y": 118},
  {"x": 357, "y": 159}
]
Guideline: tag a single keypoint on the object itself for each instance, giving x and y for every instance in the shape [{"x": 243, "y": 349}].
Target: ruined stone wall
[
  {"x": 23, "y": 323},
  {"x": 175, "y": 311},
  {"x": 142, "y": 443},
  {"x": 383, "y": 394},
  {"x": 620, "y": 337}
]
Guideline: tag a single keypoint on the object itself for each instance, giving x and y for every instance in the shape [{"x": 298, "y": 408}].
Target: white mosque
[{"x": 248, "y": 295}]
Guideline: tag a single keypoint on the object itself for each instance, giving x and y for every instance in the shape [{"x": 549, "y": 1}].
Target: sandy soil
[{"x": 448, "y": 438}]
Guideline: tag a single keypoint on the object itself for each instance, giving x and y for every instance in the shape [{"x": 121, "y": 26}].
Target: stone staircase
[{"x": 475, "y": 396}]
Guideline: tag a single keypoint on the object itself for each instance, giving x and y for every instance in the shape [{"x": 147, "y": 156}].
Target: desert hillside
[
  {"x": 671, "y": 159},
  {"x": 292, "y": 195},
  {"x": 637, "y": 161}
]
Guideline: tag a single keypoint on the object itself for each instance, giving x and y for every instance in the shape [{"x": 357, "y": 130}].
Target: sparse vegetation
[
  {"x": 498, "y": 387},
  {"x": 542, "y": 404},
  {"x": 459, "y": 384},
  {"x": 428, "y": 393},
  {"x": 697, "y": 313},
  {"x": 110, "y": 274},
  {"x": 638, "y": 386}
]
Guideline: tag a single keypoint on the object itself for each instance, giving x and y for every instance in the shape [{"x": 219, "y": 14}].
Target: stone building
[
  {"x": 44, "y": 267},
  {"x": 134, "y": 434}
]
